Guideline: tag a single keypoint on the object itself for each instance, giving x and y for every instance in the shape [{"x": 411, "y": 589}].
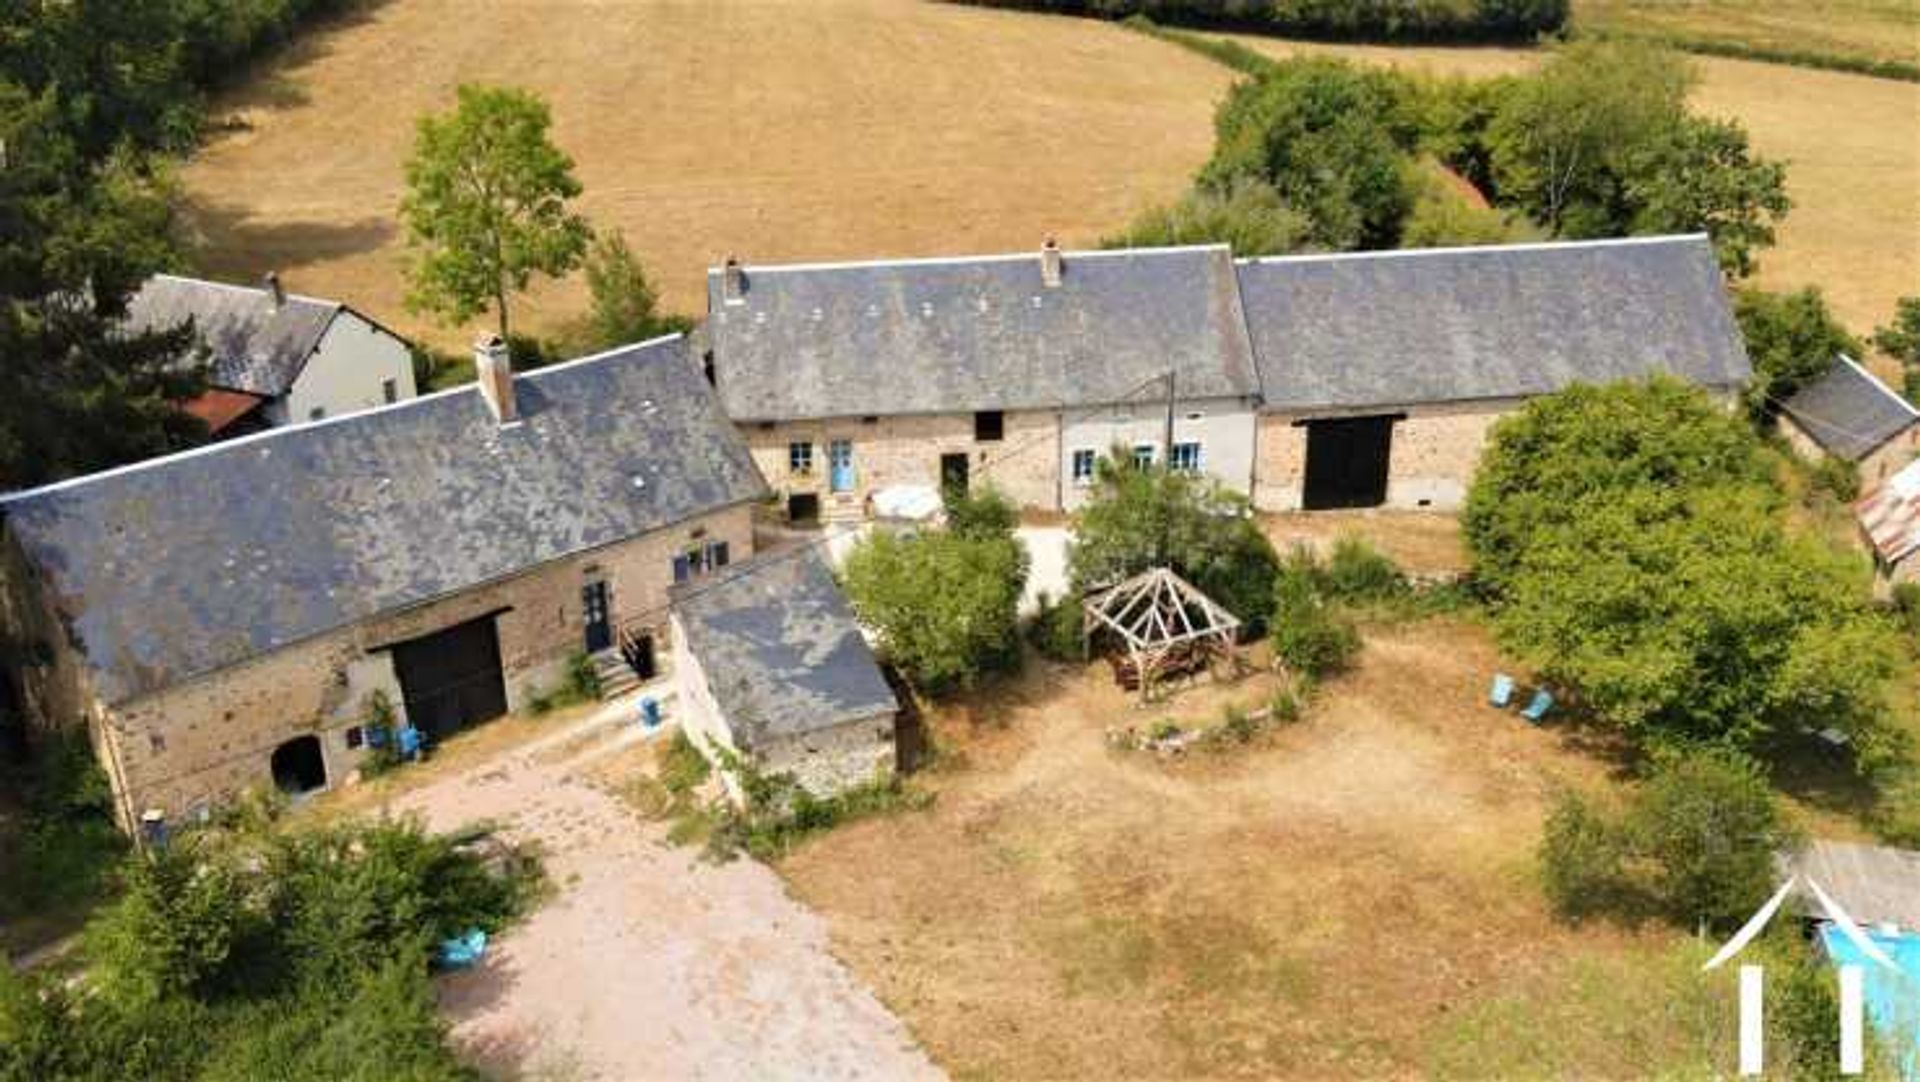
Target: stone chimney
[
  {"x": 493, "y": 370},
  {"x": 733, "y": 282},
  {"x": 1050, "y": 264},
  {"x": 276, "y": 293}
]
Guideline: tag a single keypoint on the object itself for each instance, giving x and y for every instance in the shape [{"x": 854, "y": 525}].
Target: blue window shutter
[{"x": 682, "y": 570}]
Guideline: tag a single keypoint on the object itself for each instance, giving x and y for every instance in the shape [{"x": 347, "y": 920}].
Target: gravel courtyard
[{"x": 647, "y": 963}]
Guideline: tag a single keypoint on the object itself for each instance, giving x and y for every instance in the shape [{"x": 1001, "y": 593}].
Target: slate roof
[
  {"x": 255, "y": 347},
  {"x": 1438, "y": 325},
  {"x": 978, "y": 333},
  {"x": 1848, "y": 412},
  {"x": 179, "y": 566},
  {"x": 780, "y": 648}
]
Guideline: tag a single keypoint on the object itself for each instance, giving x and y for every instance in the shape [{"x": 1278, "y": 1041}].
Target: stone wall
[
  {"x": 207, "y": 739},
  {"x": 1879, "y": 464},
  {"x": 1023, "y": 465},
  {"x": 1435, "y": 452}
]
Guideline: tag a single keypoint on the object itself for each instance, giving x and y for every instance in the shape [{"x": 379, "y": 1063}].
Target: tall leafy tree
[
  {"x": 486, "y": 205},
  {"x": 1900, "y": 340},
  {"x": 625, "y": 307},
  {"x": 1331, "y": 138}
]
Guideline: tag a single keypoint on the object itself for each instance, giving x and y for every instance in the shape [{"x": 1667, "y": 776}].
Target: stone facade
[
  {"x": 1876, "y": 466},
  {"x": 207, "y": 739},
  {"x": 824, "y": 762},
  {"x": 1024, "y": 464},
  {"x": 1435, "y": 451}
]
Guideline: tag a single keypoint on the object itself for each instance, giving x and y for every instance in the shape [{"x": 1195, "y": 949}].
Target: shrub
[
  {"x": 1696, "y": 842},
  {"x": 1792, "y": 338},
  {"x": 1306, "y": 636},
  {"x": 1838, "y": 478},
  {"x": 683, "y": 770},
  {"x": 1356, "y": 571},
  {"x": 1244, "y": 212},
  {"x": 981, "y": 515},
  {"x": 68, "y": 846},
  {"x": 1056, "y": 629},
  {"x": 583, "y": 680},
  {"x": 1896, "y": 811},
  {"x": 1285, "y": 707},
  {"x": 1344, "y": 20},
  {"x": 945, "y": 606},
  {"x": 624, "y": 304}
]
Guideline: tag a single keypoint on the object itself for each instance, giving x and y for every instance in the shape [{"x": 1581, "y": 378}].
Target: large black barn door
[
  {"x": 1347, "y": 462},
  {"x": 451, "y": 679}
]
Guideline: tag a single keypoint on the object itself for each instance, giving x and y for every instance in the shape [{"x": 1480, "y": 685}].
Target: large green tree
[
  {"x": 1246, "y": 213},
  {"x": 1599, "y": 143},
  {"x": 1332, "y": 139},
  {"x": 486, "y": 205},
  {"x": 1634, "y": 544}
]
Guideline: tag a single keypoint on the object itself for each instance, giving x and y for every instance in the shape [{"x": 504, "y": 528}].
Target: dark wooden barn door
[
  {"x": 1347, "y": 462},
  {"x": 451, "y": 679}
]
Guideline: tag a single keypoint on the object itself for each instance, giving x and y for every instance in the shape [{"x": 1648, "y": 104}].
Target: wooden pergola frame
[{"x": 1163, "y": 620}]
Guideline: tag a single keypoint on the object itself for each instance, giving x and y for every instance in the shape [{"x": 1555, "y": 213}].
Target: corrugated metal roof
[
  {"x": 1438, "y": 325},
  {"x": 780, "y": 648},
  {"x": 256, "y": 346},
  {"x": 1848, "y": 412},
  {"x": 1875, "y": 884},
  {"x": 220, "y": 408},
  {"x": 979, "y": 333},
  {"x": 178, "y": 566},
  {"x": 1890, "y": 515}
]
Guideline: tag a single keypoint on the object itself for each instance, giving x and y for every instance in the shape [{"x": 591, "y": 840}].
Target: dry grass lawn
[
  {"x": 829, "y": 129},
  {"x": 1851, "y": 144},
  {"x": 1862, "y": 29},
  {"x": 1352, "y": 898},
  {"x": 1421, "y": 542}
]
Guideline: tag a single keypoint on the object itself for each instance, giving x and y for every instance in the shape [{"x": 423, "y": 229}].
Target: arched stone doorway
[{"x": 299, "y": 767}]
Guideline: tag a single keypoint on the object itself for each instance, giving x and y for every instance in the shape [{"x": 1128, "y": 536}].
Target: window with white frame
[
  {"x": 1144, "y": 455},
  {"x": 1083, "y": 462},
  {"x": 800, "y": 457},
  {"x": 1185, "y": 456}
]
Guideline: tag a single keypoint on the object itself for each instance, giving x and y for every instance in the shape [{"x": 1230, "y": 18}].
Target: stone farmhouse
[
  {"x": 1850, "y": 415},
  {"x": 223, "y": 618},
  {"x": 275, "y": 358},
  {"x": 771, "y": 666},
  {"x": 1013, "y": 370},
  {"x": 232, "y": 616},
  {"x": 1322, "y": 381}
]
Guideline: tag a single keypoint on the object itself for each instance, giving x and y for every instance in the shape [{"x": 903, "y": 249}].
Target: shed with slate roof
[
  {"x": 771, "y": 666},
  {"x": 207, "y": 610},
  {"x": 1849, "y": 414}
]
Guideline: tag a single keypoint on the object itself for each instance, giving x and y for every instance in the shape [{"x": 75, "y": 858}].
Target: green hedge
[{"x": 1341, "y": 20}]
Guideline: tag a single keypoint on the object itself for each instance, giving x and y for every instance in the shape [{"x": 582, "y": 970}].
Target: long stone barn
[
  {"x": 1307, "y": 382},
  {"x": 224, "y": 618}
]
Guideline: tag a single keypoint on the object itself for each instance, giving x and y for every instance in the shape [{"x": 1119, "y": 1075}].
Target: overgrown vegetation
[
  {"x": 1247, "y": 213},
  {"x": 266, "y": 954},
  {"x": 61, "y": 859},
  {"x": 1695, "y": 843},
  {"x": 944, "y": 603},
  {"x": 1900, "y": 339},
  {"x": 1344, "y": 20},
  {"x": 1308, "y": 636},
  {"x": 1792, "y": 340},
  {"x": 1139, "y": 517},
  {"x": 580, "y": 684},
  {"x": 1633, "y": 544}
]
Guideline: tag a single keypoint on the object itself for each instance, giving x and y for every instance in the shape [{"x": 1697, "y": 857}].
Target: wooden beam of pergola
[{"x": 1157, "y": 614}]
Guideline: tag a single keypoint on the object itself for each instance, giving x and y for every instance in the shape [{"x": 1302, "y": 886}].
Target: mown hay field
[{"x": 830, "y": 129}]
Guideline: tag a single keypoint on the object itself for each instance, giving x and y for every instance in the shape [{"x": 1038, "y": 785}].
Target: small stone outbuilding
[
  {"x": 1850, "y": 415},
  {"x": 771, "y": 666}
]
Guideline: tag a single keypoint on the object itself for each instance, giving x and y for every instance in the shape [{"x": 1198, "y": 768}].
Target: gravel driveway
[{"x": 648, "y": 963}]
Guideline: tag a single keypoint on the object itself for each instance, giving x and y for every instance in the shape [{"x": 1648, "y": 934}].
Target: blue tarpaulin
[{"x": 1893, "y": 995}]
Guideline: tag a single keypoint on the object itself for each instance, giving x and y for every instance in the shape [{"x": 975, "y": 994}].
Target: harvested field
[
  {"x": 1863, "y": 30},
  {"x": 1851, "y": 144},
  {"x": 830, "y": 129},
  {"x": 1352, "y": 896}
]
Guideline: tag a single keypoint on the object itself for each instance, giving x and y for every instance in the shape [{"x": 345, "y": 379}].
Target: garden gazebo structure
[{"x": 1166, "y": 624}]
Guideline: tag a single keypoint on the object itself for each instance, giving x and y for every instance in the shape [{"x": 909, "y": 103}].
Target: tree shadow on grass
[
  {"x": 229, "y": 240},
  {"x": 268, "y": 81}
]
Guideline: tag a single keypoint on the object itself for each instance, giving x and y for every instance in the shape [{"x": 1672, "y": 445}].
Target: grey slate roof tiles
[
  {"x": 1439, "y": 325},
  {"x": 182, "y": 565},
  {"x": 780, "y": 648},
  {"x": 978, "y": 333},
  {"x": 254, "y": 345},
  {"x": 1848, "y": 412}
]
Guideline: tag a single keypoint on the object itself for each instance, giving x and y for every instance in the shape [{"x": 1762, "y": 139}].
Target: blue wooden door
[{"x": 840, "y": 465}]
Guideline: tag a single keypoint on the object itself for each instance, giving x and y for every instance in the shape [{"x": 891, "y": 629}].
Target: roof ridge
[
  {"x": 1878, "y": 383},
  {"x": 287, "y": 431},
  {"x": 988, "y": 257},
  {"x": 238, "y": 288},
  {"x": 1473, "y": 249}
]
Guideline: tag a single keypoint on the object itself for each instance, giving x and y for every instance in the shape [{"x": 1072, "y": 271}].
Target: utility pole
[
  {"x": 1166, "y": 469},
  {"x": 1166, "y": 448}
]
